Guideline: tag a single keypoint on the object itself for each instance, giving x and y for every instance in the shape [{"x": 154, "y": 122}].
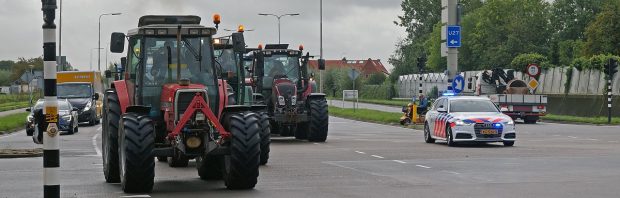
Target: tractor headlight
[
  {"x": 88, "y": 105},
  {"x": 293, "y": 100},
  {"x": 200, "y": 116},
  {"x": 281, "y": 101},
  {"x": 193, "y": 142}
]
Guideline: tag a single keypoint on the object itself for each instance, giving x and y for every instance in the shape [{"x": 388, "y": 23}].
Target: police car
[{"x": 468, "y": 119}]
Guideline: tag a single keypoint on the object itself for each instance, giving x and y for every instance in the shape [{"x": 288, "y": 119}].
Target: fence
[{"x": 552, "y": 81}]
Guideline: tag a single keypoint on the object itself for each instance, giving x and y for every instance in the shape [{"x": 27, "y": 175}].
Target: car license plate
[{"x": 488, "y": 131}]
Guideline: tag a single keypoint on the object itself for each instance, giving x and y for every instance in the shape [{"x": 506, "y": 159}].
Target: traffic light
[
  {"x": 321, "y": 64},
  {"x": 421, "y": 63},
  {"x": 611, "y": 67}
]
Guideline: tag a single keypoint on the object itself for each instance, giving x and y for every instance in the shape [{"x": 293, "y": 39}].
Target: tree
[
  {"x": 376, "y": 79},
  {"x": 23, "y": 65},
  {"x": 502, "y": 29},
  {"x": 603, "y": 34},
  {"x": 5, "y": 78},
  {"x": 570, "y": 18},
  {"x": 520, "y": 62},
  {"x": 6, "y": 64}
]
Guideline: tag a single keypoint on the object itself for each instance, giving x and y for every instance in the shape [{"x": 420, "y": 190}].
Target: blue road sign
[
  {"x": 458, "y": 84},
  {"x": 453, "y": 39}
]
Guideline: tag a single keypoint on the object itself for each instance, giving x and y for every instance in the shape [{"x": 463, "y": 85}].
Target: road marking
[
  {"x": 592, "y": 139},
  {"x": 402, "y": 162},
  {"x": 99, "y": 129},
  {"x": 572, "y": 137},
  {"x": 453, "y": 172},
  {"x": 316, "y": 143},
  {"x": 137, "y": 196},
  {"x": 95, "y": 145},
  {"x": 360, "y": 152},
  {"x": 377, "y": 156},
  {"x": 421, "y": 166}
]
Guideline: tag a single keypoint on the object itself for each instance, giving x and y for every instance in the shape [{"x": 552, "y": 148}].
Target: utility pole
[
  {"x": 450, "y": 17},
  {"x": 51, "y": 152},
  {"x": 99, "y": 37},
  {"x": 321, "y": 60},
  {"x": 278, "y": 17},
  {"x": 61, "y": 67}
]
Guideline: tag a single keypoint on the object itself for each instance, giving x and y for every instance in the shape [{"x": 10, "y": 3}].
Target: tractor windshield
[
  {"x": 160, "y": 57},
  {"x": 282, "y": 66},
  {"x": 226, "y": 58}
]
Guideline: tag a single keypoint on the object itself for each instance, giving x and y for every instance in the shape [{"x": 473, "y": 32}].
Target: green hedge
[{"x": 12, "y": 122}]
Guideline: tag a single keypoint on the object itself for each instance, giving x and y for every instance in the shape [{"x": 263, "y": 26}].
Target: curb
[{"x": 20, "y": 153}]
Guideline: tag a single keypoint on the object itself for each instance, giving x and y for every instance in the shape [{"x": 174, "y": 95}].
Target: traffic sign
[
  {"x": 533, "y": 70},
  {"x": 458, "y": 84},
  {"x": 532, "y": 84},
  {"x": 353, "y": 74},
  {"x": 454, "y": 36}
]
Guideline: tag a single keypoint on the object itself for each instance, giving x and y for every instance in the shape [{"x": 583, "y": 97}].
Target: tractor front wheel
[
  {"x": 137, "y": 164},
  {"x": 109, "y": 137},
  {"x": 265, "y": 137},
  {"x": 319, "y": 119},
  {"x": 241, "y": 166}
]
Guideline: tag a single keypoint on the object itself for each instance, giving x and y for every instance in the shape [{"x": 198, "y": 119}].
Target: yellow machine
[
  {"x": 410, "y": 115},
  {"x": 83, "y": 89}
]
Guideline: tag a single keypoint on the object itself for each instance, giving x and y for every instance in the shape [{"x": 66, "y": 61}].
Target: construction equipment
[
  {"x": 411, "y": 115},
  {"x": 511, "y": 95},
  {"x": 172, "y": 103},
  {"x": 281, "y": 81}
]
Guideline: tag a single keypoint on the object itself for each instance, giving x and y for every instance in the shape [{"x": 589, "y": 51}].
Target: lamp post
[
  {"x": 321, "y": 46},
  {"x": 91, "y": 56},
  {"x": 278, "y": 17},
  {"x": 99, "y": 43}
]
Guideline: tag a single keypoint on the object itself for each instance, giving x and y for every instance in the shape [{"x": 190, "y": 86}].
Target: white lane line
[
  {"x": 360, "y": 152},
  {"x": 99, "y": 129},
  {"x": 402, "y": 162},
  {"x": 572, "y": 137},
  {"x": 316, "y": 143},
  {"x": 421, "y": 166},
  {"x": 453, "y": 172},
  {"x": 95, "y": 145},
  {"x": 592, "y": 139},
  {"x": 137, "y": 196},
  {"x": 377, "y": 156}
]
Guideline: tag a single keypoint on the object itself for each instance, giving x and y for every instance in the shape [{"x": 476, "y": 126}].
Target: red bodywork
[{"x": 282, "y": 81}]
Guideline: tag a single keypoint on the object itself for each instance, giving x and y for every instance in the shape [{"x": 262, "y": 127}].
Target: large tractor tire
[
  {"x": 210, "y": 167},
  {"x": 302, "y": 131},
  {"x": 137, "y": 141},
  {"x": 530, "y": 119},
  {"x": 109, "y": 137},
  {"x": 178, "y": 159},
  {"x": 265, "y": 137},
  {"x": 319, "y": 119},
  {"x": 241, "y": 166}
]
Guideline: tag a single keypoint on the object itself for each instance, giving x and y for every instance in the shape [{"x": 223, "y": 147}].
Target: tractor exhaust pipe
[{"x": 179, "y": 54}]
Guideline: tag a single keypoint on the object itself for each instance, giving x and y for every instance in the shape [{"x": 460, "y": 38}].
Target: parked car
[{"x": 66, "y": 112}]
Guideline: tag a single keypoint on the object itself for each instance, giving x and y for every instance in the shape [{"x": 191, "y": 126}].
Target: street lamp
[
  {"x": 278, "y": 17},
  {"x": 99, "y": 43},
  {"x": 91, "y": 57}
]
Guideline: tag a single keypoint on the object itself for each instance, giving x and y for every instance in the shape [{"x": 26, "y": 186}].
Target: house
[
  {"x": 366, "y": 67},
  {"x": 35, "y": 79}
]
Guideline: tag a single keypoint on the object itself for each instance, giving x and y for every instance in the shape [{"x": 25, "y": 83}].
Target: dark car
[{"x": 67, "y": 117}]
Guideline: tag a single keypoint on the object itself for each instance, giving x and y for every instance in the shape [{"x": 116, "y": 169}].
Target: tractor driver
[
  {"x": 277, "y": 71},
  {"x": 160, "y": 62}
]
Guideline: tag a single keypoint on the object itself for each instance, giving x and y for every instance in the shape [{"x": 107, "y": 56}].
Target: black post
[{"x": 51, "y": 153}]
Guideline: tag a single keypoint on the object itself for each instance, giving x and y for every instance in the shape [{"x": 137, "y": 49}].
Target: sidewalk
[
  {"x": 14, "y": 111},
  {"x": 347, "y": 104}
]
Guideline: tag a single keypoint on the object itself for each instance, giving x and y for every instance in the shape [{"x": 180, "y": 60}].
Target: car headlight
[
  {"x": 67, "y": 117},
  {"x": 293, "y": 100},
  {"x": 511, "y": 122},
  {"x": 461, "y": 123},
  {"x": 281, "y": 100},
  {"x": 88, "y": 105}
]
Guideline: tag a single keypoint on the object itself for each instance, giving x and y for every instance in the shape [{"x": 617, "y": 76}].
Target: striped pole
[
  {"x": 609, "y": 96},
  {"x": 51, "y": 154}
]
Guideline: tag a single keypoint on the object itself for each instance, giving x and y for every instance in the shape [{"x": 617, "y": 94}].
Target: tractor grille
[{"x": 184, "y": 98}]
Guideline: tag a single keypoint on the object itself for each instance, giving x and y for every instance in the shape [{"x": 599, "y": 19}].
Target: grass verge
[
  {"x": 366, "y": 115},
  {"x": 576, "y": 119},
  {"x": 12, "y": 122},
  {"x": 13, "y": 105}
]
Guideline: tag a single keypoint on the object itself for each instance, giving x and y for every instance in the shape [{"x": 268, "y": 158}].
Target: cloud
[{"x": 357, "y": 29}]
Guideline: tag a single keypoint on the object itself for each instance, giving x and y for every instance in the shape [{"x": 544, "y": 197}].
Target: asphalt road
[{"x": 364, "y": 160}]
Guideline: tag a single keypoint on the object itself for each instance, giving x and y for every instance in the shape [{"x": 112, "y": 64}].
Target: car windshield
[
  {"x": 472, "y": 106},
  {"x": 74, "y": 90},
  {"x": 63, "y": 105},
  {"x": 282, "y": 65}
]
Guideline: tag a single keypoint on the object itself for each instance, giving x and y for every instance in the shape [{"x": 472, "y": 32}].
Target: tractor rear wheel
[
  {"x": 109, "y": 137},
  {"x": 178, "y": 159},
  {"x": 319, "y": 119},
  {"x": 265, "y": 137},
  {"x": 137, "y": 141},
  {"x": 241, "y": 166},
  {"x": 210, "y": 167}
]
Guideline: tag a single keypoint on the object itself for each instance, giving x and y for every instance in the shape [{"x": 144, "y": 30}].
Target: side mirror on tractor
[
  {"x": 108, "y": 74},
  {"x": 117, "y": 42}
]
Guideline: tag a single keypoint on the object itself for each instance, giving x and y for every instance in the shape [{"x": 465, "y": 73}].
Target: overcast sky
[{"x": 356, "y": 29}]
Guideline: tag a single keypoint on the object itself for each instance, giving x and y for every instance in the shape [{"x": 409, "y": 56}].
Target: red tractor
[
  {"x": 281, "y": 81},
  {"x": 172, "y": 102}
]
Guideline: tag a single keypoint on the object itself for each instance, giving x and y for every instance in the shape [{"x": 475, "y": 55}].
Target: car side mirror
[
  {"x": 96, "y": 96},
  {"x": 117, "y": 42},
  {"x": 28, "y": 109},
  {"x": 442, "y": 110}
]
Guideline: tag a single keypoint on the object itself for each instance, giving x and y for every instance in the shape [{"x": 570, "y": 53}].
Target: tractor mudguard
[
  {"x": 313, "y": 96},
  {"x": 123, "y": 95},
  {"x": 139, "y": 109}
]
